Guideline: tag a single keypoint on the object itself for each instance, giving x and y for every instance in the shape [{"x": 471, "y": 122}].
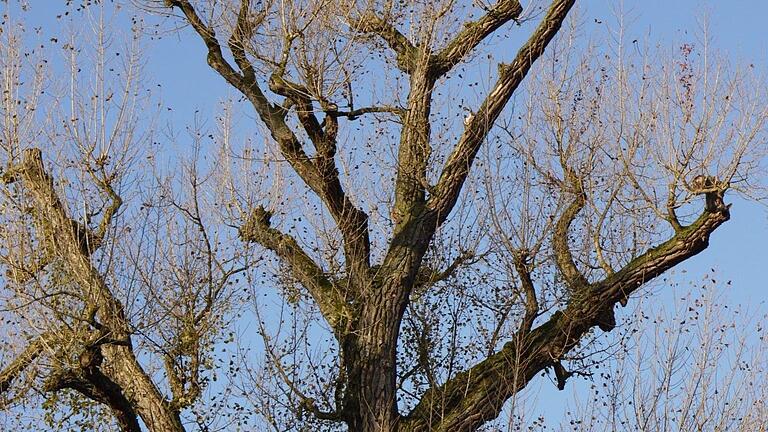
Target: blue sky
[{"x": 737, "y": 251}]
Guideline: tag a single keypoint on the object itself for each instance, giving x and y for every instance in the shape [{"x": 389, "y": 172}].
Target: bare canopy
[{"x": 448, "y": 245}]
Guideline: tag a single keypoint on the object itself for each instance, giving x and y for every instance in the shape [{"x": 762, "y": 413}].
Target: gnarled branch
[
  {"x": 320, "y": 176},
  {"x": 478, "y": 394},
  {"x": 329, "y": 299},
  {"x": 63, "y": 241},
  {"x": 25, "y": 359},
  {"x": 574, "y": 279},
  {"x": 403, "y": 48}
]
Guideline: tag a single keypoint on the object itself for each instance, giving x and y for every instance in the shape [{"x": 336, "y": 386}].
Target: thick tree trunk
[
  {"x": 370, "y": 403},
  {"x": 121, "y": 365},
  {"x": 370, "y": 357},
  {"x": 370, "y": 351}
]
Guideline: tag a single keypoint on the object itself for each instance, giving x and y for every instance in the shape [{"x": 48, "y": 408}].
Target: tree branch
[
  {"x": 242, "y": 32},
  {"x": 574, "y": 279},
  {"x": 477, "y": 127},
  {"x": 33, "y": 350},
  {"x": 329, "y": 299},
  {"x": 65, "y": 237},
  {"x": 561, "y": 374},
  {"x": 96, "y": 386},
  {"x": 478, "y": 394},
  {"x": 427, "y": 277},
  {"x": 521, "y": 262},
  {"x": 473, "y": 34},
  {"x": 406, "y": 52},
  {"x": 355, "y": 113},
  {"x": 60, "y": 236},
  {"x": 322, "y": 177}
]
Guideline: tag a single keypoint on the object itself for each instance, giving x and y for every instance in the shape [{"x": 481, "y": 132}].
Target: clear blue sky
[{"x": 737, "y": 250}]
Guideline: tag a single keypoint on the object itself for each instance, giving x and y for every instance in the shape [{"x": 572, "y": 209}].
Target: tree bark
[{"x": 59, "y": 233}]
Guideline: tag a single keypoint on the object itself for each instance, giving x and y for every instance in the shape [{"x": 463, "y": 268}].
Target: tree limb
[
  {"x": 477, "y": 395},
  {"x": 88, "y": 240},
  {"x": 242, "y": 32},
  {"x": 521, "y": 262},
  {"x": 574, "y": 279},
  {"x": 460, "y": 161},
  {"x": 33, "y": 350},
  {"x": 96, "y": 386},
  {"x": 64, "y": 237},
  {"x": 403, "y": 48},
  {"x": 473, "y": 34},
  {"x": 61, "y": 237},
  {"x": 427, "y": 277},
  {"x": 322, "y": 177},
  {"x": 561, "y": 374},
  {"x": 329, "y": 299},
  {"x": 355, "y": 113}
]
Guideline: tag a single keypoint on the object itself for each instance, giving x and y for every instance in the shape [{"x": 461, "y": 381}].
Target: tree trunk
[
  {"x": 121, "y": 365},
  {"x": 370, "y": 352},
  {"x": 370, "y": 358}
]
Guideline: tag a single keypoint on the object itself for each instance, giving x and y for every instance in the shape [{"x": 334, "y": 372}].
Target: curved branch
[
  {"x": 574, "y": 279},
  {"x": 522, "y": 266},
  {"x": 403, "y": 48},
  {"x": 322, "y": 176},
  {"x": 473, "y": 34},
  {"x": 329, "y": 299},
  {"x": 59, "y": 233},
  {"x": 98, "y": 387},
  {"x": 478, "y": 394},
  {"x": 33, "y": 350}
]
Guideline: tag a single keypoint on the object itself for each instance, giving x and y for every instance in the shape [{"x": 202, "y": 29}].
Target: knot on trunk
[
  {"x": 606, "y": 319},
  {"x": 90, "y": 359},
  {"x": 257, "y": 221},
  {"x": 712, "y": 189}
]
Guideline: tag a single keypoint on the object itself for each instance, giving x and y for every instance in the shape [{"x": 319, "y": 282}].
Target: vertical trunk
[
  {"x": 370, "y": 352},
  {"x": 370, "y": 357},
  {"x": 370, "y": 404}
]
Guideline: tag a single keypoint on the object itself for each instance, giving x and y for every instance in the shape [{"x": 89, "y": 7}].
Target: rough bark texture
[{"x": 117, "y": 377}]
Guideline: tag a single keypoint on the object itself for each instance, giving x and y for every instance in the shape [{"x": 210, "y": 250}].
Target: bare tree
[{"x": 449, "y": 246}]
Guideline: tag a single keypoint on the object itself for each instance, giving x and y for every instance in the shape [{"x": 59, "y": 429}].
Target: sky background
[{"x": 176, "y": 62}]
